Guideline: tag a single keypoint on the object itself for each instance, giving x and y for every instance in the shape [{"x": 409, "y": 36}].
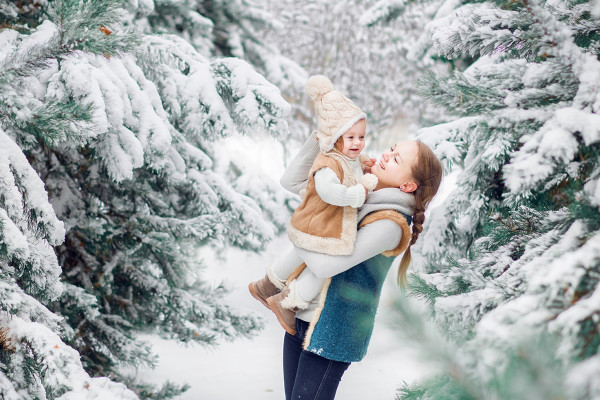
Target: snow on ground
[{"x": 251, "y": 368}]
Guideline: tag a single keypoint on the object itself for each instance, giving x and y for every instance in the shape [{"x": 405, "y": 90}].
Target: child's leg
[
  {"x": 275, "y": 278},
  {"x": 283, "y": 267},
  {"x": 302, "y": 290}
]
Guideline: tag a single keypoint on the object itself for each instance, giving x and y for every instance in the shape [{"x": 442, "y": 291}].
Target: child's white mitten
[{"x": 369, "y": 181}]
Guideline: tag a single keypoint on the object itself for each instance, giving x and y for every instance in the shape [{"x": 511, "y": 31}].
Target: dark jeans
[{"x": 308, "y": 376}]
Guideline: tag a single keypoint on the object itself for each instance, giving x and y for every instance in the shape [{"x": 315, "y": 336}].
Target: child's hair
[
  {"x": 427, "y": 172},
  {"x": 339, "y": 144}
]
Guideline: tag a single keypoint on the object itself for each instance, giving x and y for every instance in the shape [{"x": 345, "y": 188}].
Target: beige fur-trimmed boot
[
  {"x": 285, "y": 317},
  {"x": 266, "y": 287},
  {"x": 285, "y": 304}
]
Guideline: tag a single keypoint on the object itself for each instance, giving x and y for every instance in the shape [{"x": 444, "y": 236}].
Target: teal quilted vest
[{"x": 343, "y": 329}]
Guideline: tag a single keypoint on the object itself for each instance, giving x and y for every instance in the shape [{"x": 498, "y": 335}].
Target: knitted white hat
[{"x": 335, "y": 112}]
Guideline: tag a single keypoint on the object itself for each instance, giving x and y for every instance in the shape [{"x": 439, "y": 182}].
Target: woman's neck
[{"x": 382, "y": 186}]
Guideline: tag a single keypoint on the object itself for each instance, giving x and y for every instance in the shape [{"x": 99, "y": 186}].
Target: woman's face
[{"x": 394, "y": 168}]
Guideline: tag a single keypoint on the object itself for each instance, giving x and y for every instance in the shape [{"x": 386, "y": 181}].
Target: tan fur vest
[{"x": 319, "y": 226}]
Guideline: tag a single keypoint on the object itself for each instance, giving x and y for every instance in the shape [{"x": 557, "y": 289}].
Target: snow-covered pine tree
[
  {"x": 219, "y": 28},
  {"x": 332, "y": 38},
  {"x": 120, "y": 126},
  {"x": 35, "y": 361},
  {"x": 513, "y": 255},
  {"x": 410, "y": 49},
  {"x": 224, "y": 29}
]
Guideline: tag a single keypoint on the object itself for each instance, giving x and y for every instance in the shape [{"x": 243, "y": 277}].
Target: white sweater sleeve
[
  {"x": 371, "y": 240},
  {"x": 296, "y": 174},
  {"x": 331, "y": 190}
]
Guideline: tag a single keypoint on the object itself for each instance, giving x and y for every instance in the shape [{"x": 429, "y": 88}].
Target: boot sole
[
  {"x": 254, "y": 293},
  {"x": 273, "y": 306}
]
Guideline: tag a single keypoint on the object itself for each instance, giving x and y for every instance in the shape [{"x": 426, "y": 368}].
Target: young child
[{"x": 326, "y": 220}]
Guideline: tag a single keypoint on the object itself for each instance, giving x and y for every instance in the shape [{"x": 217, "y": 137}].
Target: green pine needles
[
  {"x": 108, "y": 190},
  {"x": 513, "y": 254}
]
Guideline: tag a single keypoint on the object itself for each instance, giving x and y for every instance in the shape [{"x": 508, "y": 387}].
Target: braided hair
[{"x": 427, "y": 172}]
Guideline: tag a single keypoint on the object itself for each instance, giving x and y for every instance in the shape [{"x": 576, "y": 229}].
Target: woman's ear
[{"x": 409, "y": 187}]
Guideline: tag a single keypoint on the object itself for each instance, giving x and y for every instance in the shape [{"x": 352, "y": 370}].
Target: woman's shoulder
[
  {"x": 393, "y": 215},
  {"x": 398, "y": 219}
]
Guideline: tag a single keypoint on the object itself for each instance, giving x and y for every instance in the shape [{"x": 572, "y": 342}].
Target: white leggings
[{"x": 308, "y": 284}]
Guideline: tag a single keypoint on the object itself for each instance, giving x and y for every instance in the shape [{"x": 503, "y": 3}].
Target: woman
[{"x": 336, "y": 328}]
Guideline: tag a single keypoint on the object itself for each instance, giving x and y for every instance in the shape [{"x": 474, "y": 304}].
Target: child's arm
[
  {"x": 372, "y": 239},
  {"x": 330, "y": 190},
  {"x": 296, "y": 174}
]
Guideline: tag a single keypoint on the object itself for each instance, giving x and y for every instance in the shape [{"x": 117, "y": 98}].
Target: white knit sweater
[
  {"x": 330, "y": 189},
  {"x": 328, "y": 186}
]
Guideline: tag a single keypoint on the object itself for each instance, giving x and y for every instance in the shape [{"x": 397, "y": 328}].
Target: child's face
[{"x": 354, "y": 139}]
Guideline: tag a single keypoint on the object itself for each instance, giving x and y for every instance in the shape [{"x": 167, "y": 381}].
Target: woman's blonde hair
[{"x": 427, "y": 172}]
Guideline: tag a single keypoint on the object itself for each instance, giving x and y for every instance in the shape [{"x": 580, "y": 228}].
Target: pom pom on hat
[{"x": 318, "y": 86}]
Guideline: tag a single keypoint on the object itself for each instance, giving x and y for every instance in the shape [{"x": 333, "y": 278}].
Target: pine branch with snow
[
  {"x": 373, "y": 63},
  {"x": 511, "y": 256},
  {"x": 110, "y": 160}
]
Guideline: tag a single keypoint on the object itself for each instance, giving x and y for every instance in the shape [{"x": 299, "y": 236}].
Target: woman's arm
[
  {"x": 296, "y": 174},
  {"x": 372, "y": 239}
]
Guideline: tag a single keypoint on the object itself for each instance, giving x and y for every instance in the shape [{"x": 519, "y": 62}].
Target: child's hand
[
  {"x": 367, "y": 164},
  {"x": 370, "y": 162}
]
